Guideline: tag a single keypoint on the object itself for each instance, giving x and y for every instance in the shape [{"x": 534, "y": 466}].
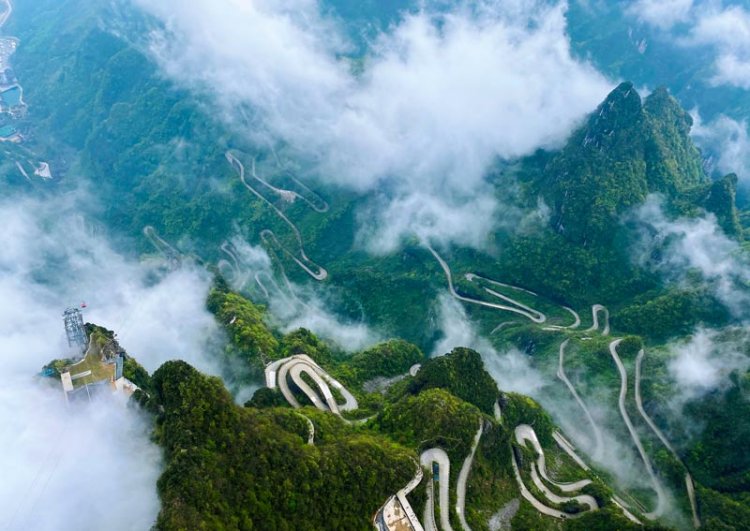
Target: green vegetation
[
  {"x": 461, "y": 373},
  {"x": 242, "y": 468},
  {"x": 100, "y": 108}
]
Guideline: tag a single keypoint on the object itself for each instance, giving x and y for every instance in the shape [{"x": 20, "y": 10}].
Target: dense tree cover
[
  {"x": 157, "y": 158},
  {"x": 725, "y": 416},
  {"x": 625, "y": 151},
  {"x": 245, "y": 323},
  {"x": 518, "y": 409},
  {"x": 462, "y": 373},
  {"x": 432, "y": 418},
  {"x": 242, "y": 468},
  {"x": 387, "y": 359},
  {"x": 673, "y": 313}
]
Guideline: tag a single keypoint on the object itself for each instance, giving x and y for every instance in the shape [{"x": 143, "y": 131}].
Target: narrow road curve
[
  {"x": 525, "y": 433},
  {"x": 539, "y": 317},
  {"x": 6, "y": 15},
  {"x": 276, "y": 374},
  {"x": 569, "y": 449},
  {"x": 239, "y": 277},
  {"x": 598, "y": 439},
  {"x": 411, "y": 516},
  {"x": 463, "y": 477},
  {"x": 576, "y": 321},
  {"x": 536, "y": 317},
  {"x": 689, "y": 487},
  {"x": 661, "y": 496},
  {"x": 173, "y": 256},
  {"x": 291, "y": 195},
  {"x": 539, "y": 506},
  {"x": 437, "y": 455},
  {"x": 595, "y": 309},
  {"x": 321, "y": 273},
  {"x": 310, "y": 430}
]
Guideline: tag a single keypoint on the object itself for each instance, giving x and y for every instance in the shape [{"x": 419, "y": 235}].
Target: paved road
[
  {"x": 525, "y": 433},
  {"x": 437, "y": 455},
  {"x": 310, "y": 430},
  {"x": 519, "y": 308},
  {"x": 401, "y": 495},
  {"x": 689, "y": 487},
  {"x": 463, "y": 477},
  {"x": 539, "y": 506},
  {"x": 598, "y": 439},
  {"x": 306, "y": 264},
  {"x": 569, "y": 449},
  {"x": 290, "y": 195},
  {"x": 595, "y": 309},
  {"x": 173, "y": 256},
  {"x": 276, "y": 374},
  {"x": 661, "y": 496},
  {"x": 576, "y": 321}
]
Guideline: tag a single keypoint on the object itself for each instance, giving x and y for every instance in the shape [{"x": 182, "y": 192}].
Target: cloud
[
  {"x": 663, "y": 14},
  {"x": 294, "y": 306},
  {"x": 424, "y": 113},
  {"x": 77, "y": 467},
  {"x": 511, "y": 369},
  {"x": 703, "y": 364},
  {"x": 684, "y": 245},
  {"x": 727, "y": 30},
  {"x": 728, "y": 143}
]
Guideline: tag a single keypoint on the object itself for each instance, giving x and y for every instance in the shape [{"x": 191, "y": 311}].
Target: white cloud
[
  {"x": 727, "y": 30},
  {"x": 692, "y": 244},
  {"x": 438, "y": 98},
  {"x": 74, "y": 468},
  {"x": 511, "y": 369},
  {"x": 663, "y": 14},
  {"x": 292, "y": 306},
  {"x": 727, "y": 142},
  {"x": 702, "y": 364}
]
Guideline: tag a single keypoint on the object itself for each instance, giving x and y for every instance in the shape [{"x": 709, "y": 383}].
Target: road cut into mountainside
[
  {"x": 397, "y": 514},
  {"x": 518, "y": 307},
  {"x": 595, "y": 310},
  {"x": 463, "y": 477},
  {"x": 661, "y": 495},
  {"x": 689, "y": 485},
  {"x": 525, "y": 434},
  {"x": 278, "y": 372},
  {"x": 439, "y": 457},
  {"x": 311, "y": 268},
  {"x": 598, "y": 439}
]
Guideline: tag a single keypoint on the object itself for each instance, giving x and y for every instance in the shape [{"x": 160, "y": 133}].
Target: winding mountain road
[
  {"x": 7, "y": 13},
  {"x": 173, "y": 256},
  {"x": 437, "y": 455},
  {"x": 661, "y": 495},
  {"x": 595, "y": 309},
  {"x": 463, "y": 477},
  {"x": 519, "y": 308},
  {"x": 689, "y": 486},
  {"x": 598, "y": 439},
  {"x": 311, "y": 268},
  {"x": 294, "y": 367}
]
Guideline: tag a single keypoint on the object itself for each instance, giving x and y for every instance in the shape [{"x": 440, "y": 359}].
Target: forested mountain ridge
[{"x": 559, "y": 366}]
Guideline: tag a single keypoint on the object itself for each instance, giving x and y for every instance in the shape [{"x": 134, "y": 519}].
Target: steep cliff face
[{"x": 627, "y": 149}]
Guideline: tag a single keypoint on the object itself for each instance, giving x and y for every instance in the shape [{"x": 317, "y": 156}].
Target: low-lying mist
[{"x": 85, "y": 466}]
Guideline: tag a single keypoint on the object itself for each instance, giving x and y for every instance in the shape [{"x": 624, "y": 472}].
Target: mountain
[{"x": 583, "y": 367}]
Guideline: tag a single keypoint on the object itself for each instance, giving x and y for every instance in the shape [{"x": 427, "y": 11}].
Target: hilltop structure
[{"x": 74, "y": 329}]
